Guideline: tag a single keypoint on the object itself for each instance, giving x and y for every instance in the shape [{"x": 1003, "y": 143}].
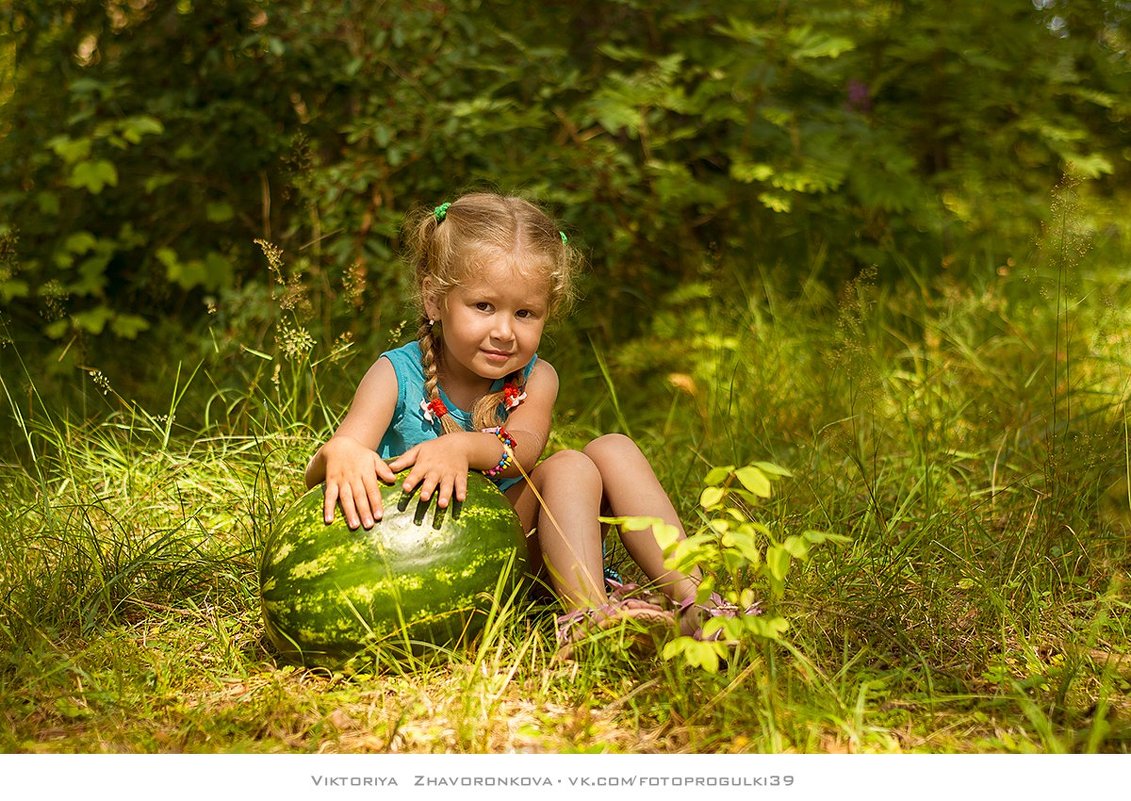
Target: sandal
[
  {"x": 573, "y": 627},
  {"x": 716, "y": 606},
  {"x": 631, "y": 591}
]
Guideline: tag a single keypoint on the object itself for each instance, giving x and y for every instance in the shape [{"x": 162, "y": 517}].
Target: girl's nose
[{"x": 502, "y": 329}]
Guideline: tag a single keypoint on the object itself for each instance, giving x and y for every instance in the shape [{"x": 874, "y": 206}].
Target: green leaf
[
  {"x": 772, "y": 469},
  {"x": 48, "y": 202},
  {"x": 711, "y": 497},
  {"x": 212, "y": 272},
  {"x": 666, "y": 535},
  {"x": 797, "y": 547},
  {"x": 633, "y": 523},
  {"x": 775, "y": 201},
  {"x": 777, "y": 115},
  {"x": 13, "y": 288},
  {"x": 129, "y": 237},
  {"x": 696, "y": 551},
  {"x": 186, "y": 274},
  {"x": 818, "y": 537},
  {"x": 745, "y": 31},
  {"x": 814, "y": 44},
  {"x": 134, "y": 128},
  {"x": 777, "y": 560},
  {"x": 128, "y": 326},
  {"x": 1092, "y": 165},
  {"x": 732, "y": 561},
  {"x": 70, "y": 150},
  {"x": 732, "y": 628},
  {"x": 745, "y": 544},
  {"x": 90, "y": 86},
  {"x": 158, "y": 180},
  {"x": 761, "y": 528},
  {"x": 615, "y": 116},
  {"x": 93, "y": 320},
  {"x": 720, "y": 525},
  {"x": 754, "y": 480},
  {"x": 92, "y": 272},
  {"x": 93, "y": 175},
  {"x": 749, "y": 173},
  {"x": 167, "y": 256},
  {"x": 696, "y": 543},
  {"x": 79, "y": 242},
  {"x": 717, "y": 475},
  {"x": 763, "y": 626},
  {"x": 219, "y": 212},
  {"x": 706, "y": 587},
  {"x": 704, "y": 655}
]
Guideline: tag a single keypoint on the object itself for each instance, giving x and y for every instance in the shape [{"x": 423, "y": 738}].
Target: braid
[
  {"x": 486, "y": 412},
  {"x": 429, "y": 358}
]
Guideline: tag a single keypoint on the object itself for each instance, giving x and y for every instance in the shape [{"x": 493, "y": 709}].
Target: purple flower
[{"x": 859, "y": 96}]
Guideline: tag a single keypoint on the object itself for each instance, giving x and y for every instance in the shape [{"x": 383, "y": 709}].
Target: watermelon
[{"x": 421, "y": 578}]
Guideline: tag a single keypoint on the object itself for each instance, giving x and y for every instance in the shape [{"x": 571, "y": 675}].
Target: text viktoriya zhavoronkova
[{"x": 420, "y": 780}]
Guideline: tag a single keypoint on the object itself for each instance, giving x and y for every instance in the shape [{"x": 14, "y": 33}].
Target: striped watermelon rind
[{"x": 419, "y": 579}]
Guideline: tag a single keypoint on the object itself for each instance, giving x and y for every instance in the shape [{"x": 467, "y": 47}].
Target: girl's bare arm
[{"x": 348, "y": 462}]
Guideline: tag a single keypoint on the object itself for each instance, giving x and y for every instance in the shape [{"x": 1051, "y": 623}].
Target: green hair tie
[
  {"x": 565, "y": 239},
  {"x": 441, "y": 211}
]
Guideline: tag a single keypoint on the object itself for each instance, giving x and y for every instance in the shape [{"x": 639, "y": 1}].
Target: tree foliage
[{"x": 146, "y": 144}]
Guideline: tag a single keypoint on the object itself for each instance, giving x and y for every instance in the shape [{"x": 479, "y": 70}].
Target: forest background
[{"x": 882, "y": 244}]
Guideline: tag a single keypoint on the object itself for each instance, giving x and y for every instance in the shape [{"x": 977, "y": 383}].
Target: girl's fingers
[
  {"x": 428, "y": 486},
  {"x": 447, "y": 487},
  {"x": 329, "y": 502},
  {"x": 461, "y": 487},
  {"x": 364, "y": 515},
  {"x": 373, "y": 497},
  {"x": 405, "y": 460},
  {"x": 384, "y": 472},
  {"x": 416, "y": 475},
  {"x": 349, "y": 511}
]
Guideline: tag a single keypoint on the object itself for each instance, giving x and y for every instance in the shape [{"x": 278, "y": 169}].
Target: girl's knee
[
  {"x": 611, "y": 446},
  {"x": 572, "y": 465}
]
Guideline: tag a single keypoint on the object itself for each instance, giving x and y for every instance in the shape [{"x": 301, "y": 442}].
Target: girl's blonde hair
[{"x": 445, "y": 249}]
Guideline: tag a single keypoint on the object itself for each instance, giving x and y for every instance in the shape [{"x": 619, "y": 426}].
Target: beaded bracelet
[{"x": 507, "y": 458}]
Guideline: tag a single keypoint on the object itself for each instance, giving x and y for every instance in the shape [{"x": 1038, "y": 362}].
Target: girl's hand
[
  {"x": 352, "y": 473},
  {"x": 439, "y": 464}
]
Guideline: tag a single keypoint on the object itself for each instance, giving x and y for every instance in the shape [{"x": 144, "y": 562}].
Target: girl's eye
[{"x": 482, "y": 306}]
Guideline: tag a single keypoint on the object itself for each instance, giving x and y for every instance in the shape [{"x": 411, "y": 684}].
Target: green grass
[{"x": 970, "y": 436}]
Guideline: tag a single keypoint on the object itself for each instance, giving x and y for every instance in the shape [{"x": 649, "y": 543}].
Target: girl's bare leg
[
  {"x": 570, "y": 484},
  {"x": 632, "y": 490}
]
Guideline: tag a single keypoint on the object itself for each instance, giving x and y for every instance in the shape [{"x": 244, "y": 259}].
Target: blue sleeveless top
[{"x": 409, "y": 427}]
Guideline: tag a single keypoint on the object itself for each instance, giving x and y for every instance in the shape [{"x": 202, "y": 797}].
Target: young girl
[{"x": 490, "y": 271}]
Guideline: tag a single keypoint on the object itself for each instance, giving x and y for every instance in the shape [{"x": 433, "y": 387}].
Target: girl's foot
[
  {"x": 631, "y": 591},
  {"x": 575, "y": 626},
  {"x": 693, "y": 616}
]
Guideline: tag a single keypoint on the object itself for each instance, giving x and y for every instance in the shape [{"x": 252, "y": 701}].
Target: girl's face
[{"x": 491, "y": 324}]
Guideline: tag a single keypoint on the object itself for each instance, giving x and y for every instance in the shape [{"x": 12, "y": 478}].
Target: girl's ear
[{"x": 431, "y": 298}]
